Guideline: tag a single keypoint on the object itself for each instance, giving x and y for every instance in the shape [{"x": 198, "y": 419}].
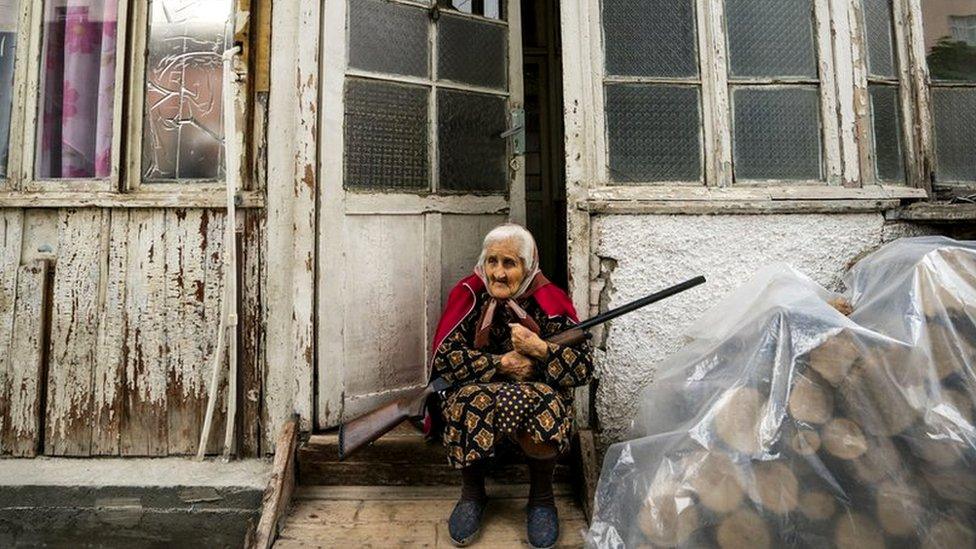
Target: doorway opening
[{"x": 545, "y": 179}]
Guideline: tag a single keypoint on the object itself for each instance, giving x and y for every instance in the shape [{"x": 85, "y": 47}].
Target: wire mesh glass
[
  {"x": 389, "y": 38},
  {"x": 771, "y": 38},
  {"x": 954, "y": 112},
  {"x": 650, "y": 38},
  {"x": 386, "y": 129},
  {"x": 8, "y": 50},
  {"x": 776, "y": 133},
  {"x": 877, "y": 31},
  {"x": 472, "y": 155},
  {"x": 886, "y": 123},
  {"x": 654, "y": 133},
  {"x": 472, "y": 52}
]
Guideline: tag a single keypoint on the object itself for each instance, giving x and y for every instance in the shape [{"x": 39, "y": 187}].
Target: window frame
[
  {"x": 716, "y": 101},
  {"x": 124, "y": 186},
  {"x": 431, "y": 84}
]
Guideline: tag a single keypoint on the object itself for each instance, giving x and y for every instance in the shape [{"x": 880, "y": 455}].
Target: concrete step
[{"x": 413, "y": 516}]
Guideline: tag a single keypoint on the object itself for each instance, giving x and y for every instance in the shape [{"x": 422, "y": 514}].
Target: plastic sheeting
[{"x": 785, "y": 422}]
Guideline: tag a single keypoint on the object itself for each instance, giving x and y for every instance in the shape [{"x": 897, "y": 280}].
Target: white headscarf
[{"x": 527, "y": 251}]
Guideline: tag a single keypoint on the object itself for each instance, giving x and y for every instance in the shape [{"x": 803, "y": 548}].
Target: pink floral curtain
[{"x": 78, "y": 89}]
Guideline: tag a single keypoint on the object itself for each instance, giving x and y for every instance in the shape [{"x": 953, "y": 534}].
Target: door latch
[{"x": 516, "y": 131}]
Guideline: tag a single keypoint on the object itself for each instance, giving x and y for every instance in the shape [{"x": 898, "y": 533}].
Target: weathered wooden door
[{"x": 420, "y": 152}]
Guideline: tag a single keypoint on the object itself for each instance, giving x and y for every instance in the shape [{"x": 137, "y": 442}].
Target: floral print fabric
[
  {"x": 487, "y": 407},
  {"x": 78, "y": 89}
]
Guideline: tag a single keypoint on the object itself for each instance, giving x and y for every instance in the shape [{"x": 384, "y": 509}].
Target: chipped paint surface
[{"x": 643, "y": 253}]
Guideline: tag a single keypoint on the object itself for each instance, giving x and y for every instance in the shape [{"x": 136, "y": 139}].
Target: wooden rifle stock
[{"x": 366, "y": 428}]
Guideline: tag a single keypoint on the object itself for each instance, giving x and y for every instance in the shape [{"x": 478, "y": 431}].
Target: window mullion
[
  {"x": 830, "y": 81},
  {"x": 22, "y": 64},
  {"x": 433, "y": 154},
  {"x": 716, "y": 115},
  {"x": 922, "y": 131},
  {"x": 30, "y": 75},
  {"x": 913, "y": 163},
  {"x": 139, "y": 19},
  {"x": 858, "y": 93}
]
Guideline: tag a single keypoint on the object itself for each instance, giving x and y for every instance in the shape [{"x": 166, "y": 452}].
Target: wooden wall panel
[
  {"x": 213, "y": 297},
  {"x": 108, "y": 379},
  {"x": 24, "y": 399},
  {"x": 11, "y": 236},
  {"x": 252, "y": 342},
  {"x": 186, "y": 323},
  {"x": 74, "y": 332},
  {"x": 144, "y": 420}
]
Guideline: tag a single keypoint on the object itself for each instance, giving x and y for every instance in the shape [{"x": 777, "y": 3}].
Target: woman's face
[{"x": 503, "y": 268}]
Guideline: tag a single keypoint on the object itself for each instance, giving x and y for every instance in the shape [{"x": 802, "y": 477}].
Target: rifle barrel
[{"x": 642, "y": 302}]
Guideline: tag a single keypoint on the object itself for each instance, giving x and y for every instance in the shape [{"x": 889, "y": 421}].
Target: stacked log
[{"x": 873, "y": 446}]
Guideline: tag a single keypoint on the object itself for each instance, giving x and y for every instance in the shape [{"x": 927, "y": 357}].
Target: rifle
[{"x": 372, "y": 425}]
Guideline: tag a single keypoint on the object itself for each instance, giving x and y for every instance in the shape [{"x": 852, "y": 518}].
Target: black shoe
[
  {"x": 542, "y": 525},
  {"x": 465, "y": 521}
]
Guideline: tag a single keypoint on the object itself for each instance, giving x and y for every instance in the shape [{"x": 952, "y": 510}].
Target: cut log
[
  {"x": 881, "y": 460},
  {"x": 899, "y": 507},
  {"x": 716, "y": 480},
  {"x": 842, "y": 305},
  {"x": 960, "y": 403},
  {"x": 958, "y": 485},
  {"x": 844, "y": 439},
  {"x": 948, "y": 350},
  {"x": 774, "y": 487},
  {"x": 884, "y": 392},
  {"x": 668, "y": 517},
  {"x": 949, "y": 533},
  {"x": 805, "y": 442},
  {"x": 736, "y": 419},
  {"x": 810, "y": 402},
  {"x": 743, "y": 528},
  {"x": 940, "y": 450},
  {"x": 835, "y": 357},
  {"x": 817, "y": 505},
  {"x": 855, "y": 531}
]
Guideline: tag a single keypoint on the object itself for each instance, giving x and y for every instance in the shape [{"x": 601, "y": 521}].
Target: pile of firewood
[{"x": 863, "y": 441}]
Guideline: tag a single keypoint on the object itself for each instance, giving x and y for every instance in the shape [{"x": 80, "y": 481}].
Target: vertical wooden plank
[
  {"x": 11, "y": 237},
  {"x": 21, "y": 438},
  {"x": 74, "y": 332},
  {"x": 145, "y": 423},
  {"x": 108, "y": 380},
  {"x": 186, "y": 233},
  {"x": 251, "y": 333},
  {"x": 213, "y": 296}
]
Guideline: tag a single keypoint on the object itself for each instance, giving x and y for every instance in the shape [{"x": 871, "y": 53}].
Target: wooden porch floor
[{"x": 399, "y": 492}]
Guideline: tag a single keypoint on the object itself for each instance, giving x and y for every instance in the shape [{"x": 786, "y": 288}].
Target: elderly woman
[{"x": 508, "y": 383}]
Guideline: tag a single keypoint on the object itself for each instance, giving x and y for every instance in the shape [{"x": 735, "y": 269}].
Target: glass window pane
[
  {"x": 487, "y": 8},
  {"x": 950, "y": 39},
  {"x": 877, "y": 29},
  {"x": 650, "y": 37},
  {"x": 8, "y": 44},
  {"x": 771, "y": 38},
  {"x": 472, "y": 52},
  {"x": 776, "y": 133},
  {"x": 386, "y": 135},
  {"x": 886, "y": 120},
  {"x": 77, "y": 89},
  {"x": 955, "y": 132},
  {"x": 472, "y": 155},
  {"x": 654, "y": 133},
  {"x": 386, "y": 37},
  {"x": 183, "y": 119}
]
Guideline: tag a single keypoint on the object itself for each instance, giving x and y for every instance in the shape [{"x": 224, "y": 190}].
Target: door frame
[{"x": 335, "y": 203}]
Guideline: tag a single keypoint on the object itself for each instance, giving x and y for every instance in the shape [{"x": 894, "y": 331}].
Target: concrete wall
[{"x": 643, "y": 253}]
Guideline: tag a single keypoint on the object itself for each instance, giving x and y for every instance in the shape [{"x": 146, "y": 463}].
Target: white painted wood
[
  {"x": 717, "y": 115},
  {"x": 923, "y": 129},
  {"x": 850, "y": 63},
  {"x": 384, "y": 252},
  {"x": 900, "y": 10},
  {"x": 828, "y": 93},
  {"x": 184, "y": 197},
  {"x": 22, "y": 436},
  {"x": 11, "y": 238},
  {"x": 21, "y": 67}
]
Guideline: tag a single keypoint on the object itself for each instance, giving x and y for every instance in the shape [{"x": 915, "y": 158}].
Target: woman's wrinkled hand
[
  {"x": 526, "y": 342},
  {"x": 517, "y": 366}
]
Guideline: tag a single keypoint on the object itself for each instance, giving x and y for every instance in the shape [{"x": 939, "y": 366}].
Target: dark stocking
[
  {"x": 473, "y": 482},
  {"x": 540, "y": 478}
]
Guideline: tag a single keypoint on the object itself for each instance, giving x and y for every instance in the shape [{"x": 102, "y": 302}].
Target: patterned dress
[{"x": 488, "y": 407}]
